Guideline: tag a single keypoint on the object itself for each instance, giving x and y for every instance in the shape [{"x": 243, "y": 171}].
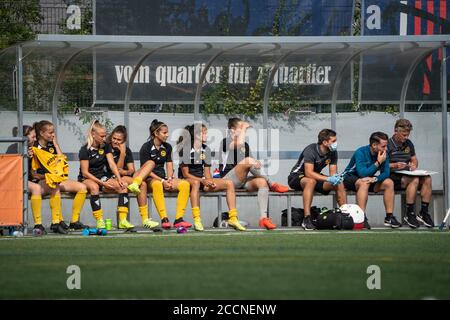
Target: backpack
[
  {"x": 334, "y": 219},
  {"x": 297, "y": 215}
]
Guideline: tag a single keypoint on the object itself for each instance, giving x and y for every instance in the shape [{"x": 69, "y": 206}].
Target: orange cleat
[
  {"x": 277, "y": 187},
  {"x": 181, "y": 223},
  {"x": 165, "y": 223},
  {"x": 267, "y": 223}
]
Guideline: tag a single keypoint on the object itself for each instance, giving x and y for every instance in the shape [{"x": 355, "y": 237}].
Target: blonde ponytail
[{"x": 94, "y": 126}]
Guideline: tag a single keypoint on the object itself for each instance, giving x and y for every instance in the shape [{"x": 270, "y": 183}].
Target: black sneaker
[
  {"x": 425, "y": 218},
  {"x": 411, "y": 220},
  {"x": 366, "y": 224},
  {"x": 41, "y": 228},
  {"x": 307, "y": 224},
  {"x": 64, "y": 225},
  {"x": 392, "y": 222},
  {"x": 58, "y": 228},
  {"x": 77, "y": 226}
]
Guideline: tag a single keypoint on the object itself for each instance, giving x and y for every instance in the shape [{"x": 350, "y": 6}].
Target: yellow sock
[
  {"x": 36, "y": 207},
  {"x": 78, "y": 203},
  {"x": 183, "y": 197},
  {"x": 196, "y": 213},
  {"x": 123, "y": 213},
  {"x": 137, "y": 180},
  {"x": 158, "y": 198},
  {"x": 232, "y": 214},
  {"x": 55, "y": 207},
  {"x": 143, "y": 211},
  {"x": 98, "y": 215}
]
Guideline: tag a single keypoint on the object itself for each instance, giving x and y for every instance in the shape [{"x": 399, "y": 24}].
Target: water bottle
[{"x": 94, "y": 232}]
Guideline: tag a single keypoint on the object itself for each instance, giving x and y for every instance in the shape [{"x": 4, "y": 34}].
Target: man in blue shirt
[{"x": 360, "y": 176}]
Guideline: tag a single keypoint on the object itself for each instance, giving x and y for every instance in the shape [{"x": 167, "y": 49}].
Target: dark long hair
[
  {"x": 155, "y": 126},
  {"x": 187, "y": 138},
  {"x": 119, "y": 129}
]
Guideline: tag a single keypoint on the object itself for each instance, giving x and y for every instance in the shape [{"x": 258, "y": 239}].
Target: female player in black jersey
[
  {"x": 46, "y": 144},
  {"x": 154, "y": 155},
  {"x": 195, "y": 167},
  {"x": 34, "y": 188},
  {"x": 237, "y": 163},
  {"x": 99, "y": 172},
  {"x": 123, "y": 157}
]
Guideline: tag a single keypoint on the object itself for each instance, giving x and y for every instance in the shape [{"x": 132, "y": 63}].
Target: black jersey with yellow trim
[
  {"x": 400, "y": 152},
  {"x": 128, "y": 157},
  {"x": 312, "y": 154},
  {"x": 196, "y": 162},
  {"x": 98, "y": 163},
  {"x": 160, "y": 155},
  {"x": 230, "y": 158}
]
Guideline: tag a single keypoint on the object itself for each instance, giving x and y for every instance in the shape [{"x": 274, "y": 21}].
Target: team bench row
[{"x": 244, "y": 193}]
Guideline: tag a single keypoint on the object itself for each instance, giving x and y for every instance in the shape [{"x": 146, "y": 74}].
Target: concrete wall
[{"x": 353, "y": 131}]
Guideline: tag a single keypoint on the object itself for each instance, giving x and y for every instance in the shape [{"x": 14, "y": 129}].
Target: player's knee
[
  {"x": 388, "y": 184},
  {"x": 361, "y": 185},
  {"x": 195, "y": 184},
  {"x": 229, "y": 183}
]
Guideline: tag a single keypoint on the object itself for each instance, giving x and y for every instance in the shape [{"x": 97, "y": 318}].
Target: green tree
[{"x": 17, "y": 21}]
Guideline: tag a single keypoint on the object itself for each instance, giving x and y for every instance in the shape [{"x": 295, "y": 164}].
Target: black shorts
[
  {"x": 350, "y": 183},
  {"x": 294, "y": 183},
  {"x": 397, "y": 178}
]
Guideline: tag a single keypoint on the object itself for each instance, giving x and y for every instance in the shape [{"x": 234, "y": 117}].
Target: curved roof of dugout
[{"x": 184, "y": 68}]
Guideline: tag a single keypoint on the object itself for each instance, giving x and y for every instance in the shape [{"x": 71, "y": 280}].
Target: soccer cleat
[
  {"x": 64, "y": 225},
  {"x": 101, "y": 224},
  {"x": 58, "y": 228},
  {"x": 307, "y": 224},
  {"x": 40, "y": 227},
  {"x": 392, "y": 222},
  {"x": 425, "y": 218},
  {"x": 277, "y": 187},
  {"x": 150, "y": 224},
  {"x": 366, "y": 224},
  {"x": 124, "y": 224},
  {"x": 134, "y": 188},
  {"x": 267, "y": 223},
  {"x": 77, "y": 226},
  {"x": 181, "y": 223},
  {"x": 234, "y": 223},
  {"x": 411, "y": 220},
  {"x": 198, "y": 226},
  {"x": 165, "y": 223}
]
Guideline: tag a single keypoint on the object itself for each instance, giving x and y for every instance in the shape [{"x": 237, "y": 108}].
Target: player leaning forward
[
  {"x": 402, "y": 156},
  {"x": 306, "y": 174},
  {"x": 361, "y": 176}
]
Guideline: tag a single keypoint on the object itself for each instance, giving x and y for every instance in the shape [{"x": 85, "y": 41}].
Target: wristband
[
  {"x": 162, "y": 180},
  {"x": 379, "y": 164}
]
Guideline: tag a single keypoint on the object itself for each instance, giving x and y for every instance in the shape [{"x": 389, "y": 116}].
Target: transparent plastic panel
[{"x": 383, "y": 79}]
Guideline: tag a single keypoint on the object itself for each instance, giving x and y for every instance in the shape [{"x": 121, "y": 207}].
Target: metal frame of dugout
[{"x": 71, "y": 47}]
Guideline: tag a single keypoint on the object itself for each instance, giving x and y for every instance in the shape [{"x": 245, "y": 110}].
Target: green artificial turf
[{"x": 229, "y": 265}]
